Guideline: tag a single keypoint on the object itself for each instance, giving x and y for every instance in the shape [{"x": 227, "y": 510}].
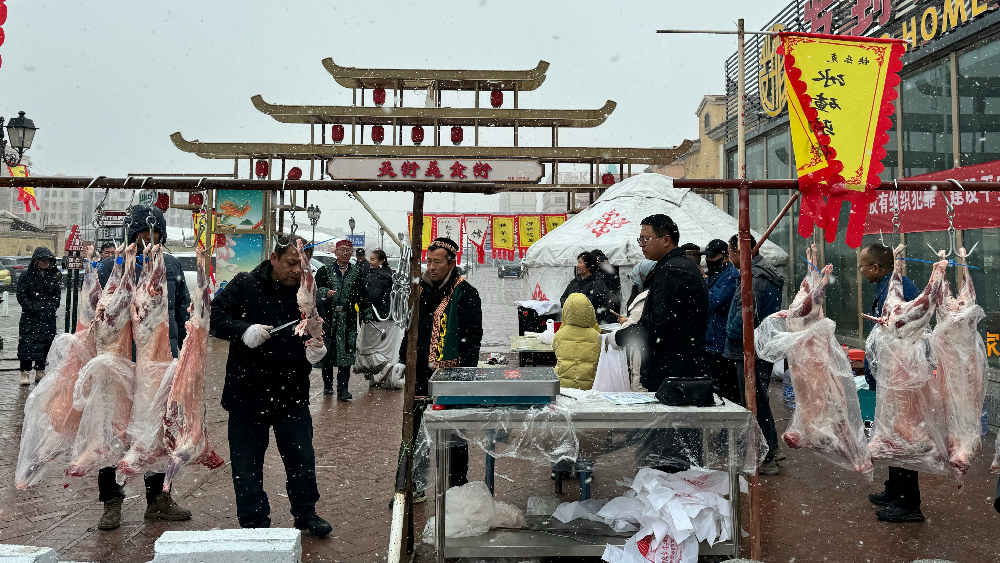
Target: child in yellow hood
[{"x": 577, "y": 344}]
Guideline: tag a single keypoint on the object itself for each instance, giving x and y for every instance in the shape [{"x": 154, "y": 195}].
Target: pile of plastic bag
[{"x": 470, "y": 510}]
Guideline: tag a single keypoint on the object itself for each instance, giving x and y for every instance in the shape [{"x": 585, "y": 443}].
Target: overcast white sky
[{"x": 107, "y": 82}]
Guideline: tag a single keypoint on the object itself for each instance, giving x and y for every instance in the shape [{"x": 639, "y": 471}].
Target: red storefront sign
[{"x": 926, "y": 211}]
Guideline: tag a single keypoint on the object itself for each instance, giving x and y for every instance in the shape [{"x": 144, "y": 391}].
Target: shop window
[
  {"x": 987, "y": 258},
  {"x": 756, "y": 160},
  {"x": 926, "y": 129},
  {"x": 979, "y": 104},
  {"x": 842, "y": 293},
  {"x": 891, "y": 160},
  {"x": 779, "y": 157}
]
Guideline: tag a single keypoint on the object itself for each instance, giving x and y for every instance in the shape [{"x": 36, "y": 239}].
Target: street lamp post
[
  {"x": 381, "y": 238},
  {"x": 313, "y": 214},
  {"x": 351, "y": 224},
  {"x": 20, "y": 132}
]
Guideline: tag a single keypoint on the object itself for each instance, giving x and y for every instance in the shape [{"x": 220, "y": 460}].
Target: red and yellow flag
[
  {"x": 553, "y": 221},
  {"x": 841, "y": 93},
  {"x": 529, "y": 230},
  {"x": 24, "y": 195},
  {"x": 426, "y": 233},
  {"x": 503, "y": 227}
]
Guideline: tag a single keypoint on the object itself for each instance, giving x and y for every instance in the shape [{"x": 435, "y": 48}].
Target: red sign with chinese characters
[{"x": 926, "y": 211}]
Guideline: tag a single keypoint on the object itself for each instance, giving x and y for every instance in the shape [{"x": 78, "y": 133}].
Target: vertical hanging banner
[
  {"x": 478, "y": 227},
  {"x": 550, "y": 222},
  {"x": 24, "y": 195},
  {"x": 427, "y": 233},
  {"x": 450, "y": 226},
  {"x": 503, "y": 236},
  {"x": 529, "y": 230},
  {"x": 841, "y": 93}
]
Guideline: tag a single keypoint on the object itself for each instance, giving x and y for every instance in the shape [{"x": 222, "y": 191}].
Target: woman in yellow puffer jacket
[{"x": 577, "y": 344}]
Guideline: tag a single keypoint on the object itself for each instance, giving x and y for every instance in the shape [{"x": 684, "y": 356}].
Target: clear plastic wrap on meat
[
  {"x": 106, "y": 384},
  {"x": 50, "y": 420},
  {"x": 827, "y": 416},
  {"x": 151, "y": 331},
  {"x": 961, "y": 362},
  {"x": 910, "y": 427},
  {"x": 311, "y": 323},
  {"x": 184, "y": 432}
]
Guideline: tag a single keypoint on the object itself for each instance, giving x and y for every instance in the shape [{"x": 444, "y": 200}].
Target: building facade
[{"x": 947, "y": 116}]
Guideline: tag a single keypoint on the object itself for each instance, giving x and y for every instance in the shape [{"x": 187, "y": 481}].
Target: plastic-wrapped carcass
[
  {"x": 151, "y": 331},
  {"x": 106, "y": 384},
  {"x": 827, "y": 416},
  {"x": 909, "y": 427},
  {"x": 961, "y": 362},
  {"x": 184, "y": 432},
  {"x": 50, "y": 420}
]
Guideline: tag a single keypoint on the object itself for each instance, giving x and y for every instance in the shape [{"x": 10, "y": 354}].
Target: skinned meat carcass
[
  {"x": 827, "y": 416},
  {"x": 151, "y": 331},
  {"x": 909, "y": 427},
  {"x": 50, "y": 421},
  {"x": 961, "y": 359},
  {"x": 311, "y": 323},
  {"x": 106, "y": 384},
  {"x": 184, "y": 434}
]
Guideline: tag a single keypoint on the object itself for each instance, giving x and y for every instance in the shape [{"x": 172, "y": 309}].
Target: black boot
[
  {"x": 328, "y": 381},
  {"x": 343, "y": 378}
]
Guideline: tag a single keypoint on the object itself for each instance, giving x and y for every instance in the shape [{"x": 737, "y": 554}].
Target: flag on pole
[
  {"x": 477, "y": 227},
  {"x": 529, "y": 230},
  {"x": 841, "y": 94},
  {"x": 553, "y": 221},
  {"x": 427, "y": 233},
  {"x": 24, "y": 195}
]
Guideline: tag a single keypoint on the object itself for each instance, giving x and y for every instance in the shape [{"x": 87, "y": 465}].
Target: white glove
[
  {"x": 256, "y": 335},
  {"x": 397, "y": 372},
  {"x": 612, "y": 341},
  {"x": 315, "y": 350}
]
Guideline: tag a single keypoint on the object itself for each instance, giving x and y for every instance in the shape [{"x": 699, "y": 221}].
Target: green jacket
[{"x": 340, "y": 312}]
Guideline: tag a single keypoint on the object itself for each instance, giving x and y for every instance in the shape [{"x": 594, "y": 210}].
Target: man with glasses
[
  {"x": 901, "y": 498},
  {"x": 671, "y": 331}
]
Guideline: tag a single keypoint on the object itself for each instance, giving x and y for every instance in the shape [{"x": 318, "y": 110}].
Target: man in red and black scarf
[{"x": 449, "y": 332}]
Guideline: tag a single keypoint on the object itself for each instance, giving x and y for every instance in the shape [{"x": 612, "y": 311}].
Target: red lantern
[
  {"x": 378, "y": 96},
  {"x": 456, "y": 135},
  {"x": 337, "y": 134},
  {"x": 295, "y": 173},
  {"x": 378, "y": 134},
  {"x": 607, "y": 179},
  {"x": 195, "y": 198},
  {"x": 162, "y": 201},
  {"x": 496, "y": 98},
  {"x": 417, "y": 135},
  {"x": 261, "y": 169}
]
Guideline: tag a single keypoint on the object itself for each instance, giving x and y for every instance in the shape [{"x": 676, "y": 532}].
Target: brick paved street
[{"x": 812, "y": 512}]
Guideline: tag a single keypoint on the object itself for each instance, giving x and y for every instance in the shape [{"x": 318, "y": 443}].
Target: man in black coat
[
  {"x": 39, "y": 295},
  {"x": 145, "y": 226},
  {"x": 670, "y": 334},
  {"x": 457, "y": 346},
  {"x": 267, "y": 385}
]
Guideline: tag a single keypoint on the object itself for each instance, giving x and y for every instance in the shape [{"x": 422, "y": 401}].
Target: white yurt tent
[{"x": 612, "y": 224}]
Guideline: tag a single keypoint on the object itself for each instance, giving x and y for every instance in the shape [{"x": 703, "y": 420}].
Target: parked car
[
  {"x": 514, "y": 269},
  {"x": 5, "y": 278},
  {"x": 189, "y": 263},
  {"x": 324, "y": 258},
  {"x": 17, "y": 265}
]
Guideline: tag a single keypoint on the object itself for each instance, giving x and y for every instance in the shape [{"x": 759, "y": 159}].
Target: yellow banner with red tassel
[{"x": 841, "y": 93}]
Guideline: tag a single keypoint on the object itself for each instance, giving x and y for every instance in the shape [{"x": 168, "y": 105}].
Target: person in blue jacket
[
  {"x": 722, "y": 280},
  {"x": 901, "y": 498},
  {"x": 767, "y": 284}
]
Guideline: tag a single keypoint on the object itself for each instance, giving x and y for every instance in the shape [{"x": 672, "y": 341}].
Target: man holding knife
[{"x": 267, "y": 385}]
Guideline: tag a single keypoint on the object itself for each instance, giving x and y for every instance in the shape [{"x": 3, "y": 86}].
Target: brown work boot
[
  {"x": 164, "y": 508},
  {"x": 39, "y": 374},
  {"x": 25, "y": 378},
  {"x": 112, "y": 517}
]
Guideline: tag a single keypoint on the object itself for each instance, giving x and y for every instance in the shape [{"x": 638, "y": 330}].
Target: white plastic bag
[
  {"x": 507, "y": 516},
  {"x": 612, "y": 368},
  {"x": 550, "y": 333},
  {"x": 468, "y": 510}
]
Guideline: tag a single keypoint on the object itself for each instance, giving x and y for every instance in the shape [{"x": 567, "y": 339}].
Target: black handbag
[{"x": 687, "y": 392}]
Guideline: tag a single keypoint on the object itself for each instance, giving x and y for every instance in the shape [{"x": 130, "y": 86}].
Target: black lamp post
[
  {"x": 20, "y": 133},
  {"x": 381, "y": 238},
  {"x": 313, "y": 214},
  {"x": 351, "y": 224}
]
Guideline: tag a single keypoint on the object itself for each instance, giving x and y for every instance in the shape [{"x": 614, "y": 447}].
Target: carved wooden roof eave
[
  {"x": 486, "y": 117},
  {"x": 300, "y": 151},
  {"x": 421, "y": 79}
]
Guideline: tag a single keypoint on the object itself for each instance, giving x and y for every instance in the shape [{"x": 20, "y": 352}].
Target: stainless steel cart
[{"x": 589, "y": 412}]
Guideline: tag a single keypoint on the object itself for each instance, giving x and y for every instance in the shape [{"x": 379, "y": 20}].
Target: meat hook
[{"x": 99, "y": 210}]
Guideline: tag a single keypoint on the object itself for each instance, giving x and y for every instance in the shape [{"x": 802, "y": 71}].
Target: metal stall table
[{"x": 589, "y": 411}]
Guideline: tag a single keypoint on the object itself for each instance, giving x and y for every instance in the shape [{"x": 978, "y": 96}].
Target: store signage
[
  {"x": 435, "y": 169},
  {"x": 146, "y": 197},
  {"x": 113, "y": 219},
  {"x": 73, "y": 242},
  {"x": 74, "y": 262},
  {"x": 771, "y": 75},
  {"x": 927, "y": 211}
]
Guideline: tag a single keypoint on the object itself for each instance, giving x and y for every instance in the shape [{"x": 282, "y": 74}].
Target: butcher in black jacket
[
  {"x": 591, "y": 282},
  {"x": 146, "y": 226},
  {"x": 267, "y": 385},
  {"x": 378, "y": 282},
  {"x": 453, "y": 346},
  {"x": 670, "y": 334}
]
